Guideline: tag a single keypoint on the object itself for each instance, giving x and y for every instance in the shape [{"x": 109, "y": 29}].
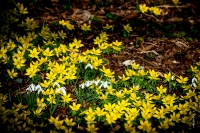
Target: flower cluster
[
  {"x": 76, "y": 90},
  {"x": 143, "y": 8}
]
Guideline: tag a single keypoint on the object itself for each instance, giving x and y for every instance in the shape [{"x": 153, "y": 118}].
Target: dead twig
[
  {"x": 153, "y": 17},
  {"x": 152, "y": 51}
]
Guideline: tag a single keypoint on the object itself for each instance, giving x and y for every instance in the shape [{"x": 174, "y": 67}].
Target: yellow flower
[
  {"x": 48, "y": 52},
  {"x": 85, "y": 27},
  {"x": 160, "y": 113},
  {"x": 69, "y": 122},
  {"x": 62, "y": 34},
  {"x": 135, "y": 66},
  {"x": 98, "y": 40},
  {"x": 161, "y": 89},
  {"x": 153, "y": 75},
  {"x": 111, "y": 118},
  {"x": 175, "y": 1},
  {"x": 182, "y": 80},
  {"x": 127, "y": 28},
  {"x": 144, "y": 125},
  {"x": 38, "y": 112},
  {"x": 19, "y": 62},
  {"x": 169, "y": 100},
  {"x": 58, "y": 124},
  {"x": 109, "y": 106},
  {"x": 108, "y": 26},
  {"x": 123, "y": 78},
  {"x": 45, "y": 84},
  {"x": 51, "y": 99},
  {"x": 168, "y": 77},
  {"x": 33, "y": 53},
  {"x": 75, "y": 107},
  {"x": 69, "y": 26},
  {"x": 90, "y": 119},
  {"x": 143, "y": 8},
  {"x": 91, "y": 128},
  {"x": 175, "y": 117},
  {"x": 40, "y": 103},
  {"x": 21, "y": 8},
  {"x": 31, "y": 72},
  {"x": 107, "y": 72},
  {"x": 194, "y": 69},
  {"x": 66, "y": 98},
  {"x": 155, "y": 10},
  {"x": 99, "y": 112},
  {"x": 12, "y": 73}
]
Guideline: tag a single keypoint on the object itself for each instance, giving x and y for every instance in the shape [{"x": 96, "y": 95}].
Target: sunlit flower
[
  {"x": 128, "y": 28},
  {"x": 194, "y": 82},
  {"x": 153, "y": 75},
  {"x": 144, "y": 125},
  {"x": 12, "y": 73},
  {"x": 69, "y": 122},
  {"x": 91, "y": 128},
  {"x": 182, "y": 80},
  {"x": 108, "y": 26},
  {"x": 161, "y": 89},
  {"x": 88, "y": 66},
  {"x": 175, "y": 1},
  {"x": 143, "y": 8},
  {"x": 85, "y": 27},
  {"x": 155, "y": 10},
  {"x": 32, "y": 88},
  {"x": 75, "y": 107}
]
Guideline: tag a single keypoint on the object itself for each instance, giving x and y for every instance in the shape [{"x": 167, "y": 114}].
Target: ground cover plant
[{"x": 69, "y": 75}]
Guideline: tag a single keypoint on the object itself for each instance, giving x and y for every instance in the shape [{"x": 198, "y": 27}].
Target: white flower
[
  {"x": 39, "y": 88},
  {"x": 97, "y": 82},
  {"x": 194, "y": 81},
  {"x": 88, "y": 83},
  {"x": 32, "y": 88},
  {"x": 141, "y": 68},
  {"x": 89, "y": 65},
  {"x": 128, "y": 62},
  {"x": 172, "y": 78},
  {"x": 56, "y": 84},
  {"x": 104, "y": 84},
  {"x": 82, "y": 86},
  {"x": 62, "y": 89}
]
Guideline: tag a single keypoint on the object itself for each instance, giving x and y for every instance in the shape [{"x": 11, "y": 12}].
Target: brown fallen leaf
[
  {"x": 145, "y": 48},
  {"x": 174, "y": 19},
  {"x": 54, "y": 0},
  {"x": 47, "y": 18}
]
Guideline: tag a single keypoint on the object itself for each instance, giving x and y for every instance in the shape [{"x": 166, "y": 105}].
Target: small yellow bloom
[
  {"x": 144, "y": 125},
  {"x": 161, "y": 89},
  {"x": 128, "y": 28},
  {"x": 75, "y": 107},
  {"x": 155, "y": 10},
  {"x": 12, "y": 73},
  {"x": 182, "y": 80},
  {"x": 85, "y": 27},
  {"x": 69, "y": 122},
  {"x": 143, "y": 8},
  {"x": 175, "y": 1},
  {"x": 123, "y": 78},
  {"x": 38, "y": 112},
  {"x": 153, "y": 75},
  {"x": 91, "y": 128},
  {"x": 168, "y": 76},
  {"x": 108, "y": 26},
  {"x": 111, "y": 118}
]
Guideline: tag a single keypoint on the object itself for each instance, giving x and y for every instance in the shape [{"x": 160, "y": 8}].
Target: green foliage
[{"x": 111, "y": 16}]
